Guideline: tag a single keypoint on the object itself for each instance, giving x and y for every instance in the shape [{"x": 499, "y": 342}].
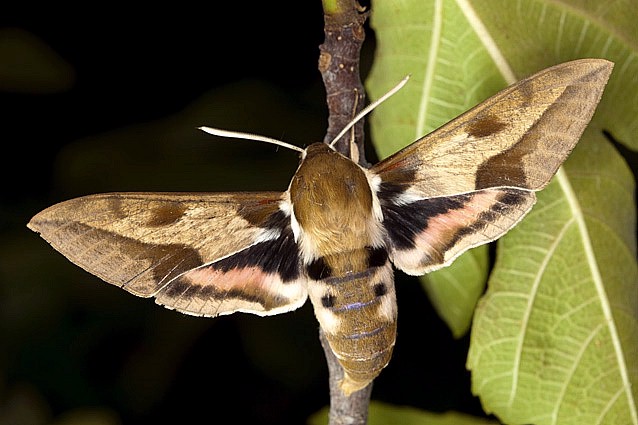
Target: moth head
[{"x": 315, "y": 150}]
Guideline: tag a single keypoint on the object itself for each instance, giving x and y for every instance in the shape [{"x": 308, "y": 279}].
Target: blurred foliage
[{"x": 29, "y": 65}]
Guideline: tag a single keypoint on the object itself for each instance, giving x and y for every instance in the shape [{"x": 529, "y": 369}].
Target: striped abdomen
[
  {"x": 337, "y": 221},
  {"x": 357, "y": 312}
]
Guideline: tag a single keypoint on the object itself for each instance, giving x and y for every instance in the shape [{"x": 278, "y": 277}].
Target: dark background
[{"x": 108, "y": 99}]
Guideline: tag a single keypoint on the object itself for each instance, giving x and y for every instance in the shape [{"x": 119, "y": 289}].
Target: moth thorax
[{"x": 332, "y": 201}]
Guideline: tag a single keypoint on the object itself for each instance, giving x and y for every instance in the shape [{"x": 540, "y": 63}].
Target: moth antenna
[
  {"x": 369, "y": 108},
  {"x": 354, "y": 150},
  {"x": 249, "y": 136}
]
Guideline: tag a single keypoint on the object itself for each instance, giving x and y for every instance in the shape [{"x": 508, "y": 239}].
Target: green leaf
[
  {"x": 451, "y": 283},
  {"x": 554, "y": 340},
  {"x": 532, "y": 35},
  {"x": 387, "y": 414}
]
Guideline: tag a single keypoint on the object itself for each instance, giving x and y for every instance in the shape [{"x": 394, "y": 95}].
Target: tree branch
[
  {"x": 344, "y": 410},
  {"x": 339, "y": 67}
]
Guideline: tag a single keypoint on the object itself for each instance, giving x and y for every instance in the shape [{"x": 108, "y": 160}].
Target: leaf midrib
[
  {"x": 597, "y": 280},
  {"x": 488, "y": 42}
]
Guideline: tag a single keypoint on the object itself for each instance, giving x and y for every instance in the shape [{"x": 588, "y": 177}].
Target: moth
[{"x": 335, "y": 233}]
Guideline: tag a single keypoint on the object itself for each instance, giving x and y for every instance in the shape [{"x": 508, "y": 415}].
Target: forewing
[
  {"x": 473, "y": 179},
  {"x": 203, "y": 254},
  {"x": 517, "y": 138}
]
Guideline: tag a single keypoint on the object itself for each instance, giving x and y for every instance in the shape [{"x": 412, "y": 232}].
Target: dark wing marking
[
  {"x": 144, "y": 241},
  {"x": 263, "y": 279},
  {"x": 474, "y": 178},
  {"x": 428, "y": 234},
  {"x": 517, "y": 138}
]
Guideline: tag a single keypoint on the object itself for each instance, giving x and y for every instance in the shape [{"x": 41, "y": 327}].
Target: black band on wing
[
  {"x": 241, "y": 280},
  {"x": 405, "y": 221},
  {"x": 279, "y": 255},
  {"x": 181, "y": 288}
]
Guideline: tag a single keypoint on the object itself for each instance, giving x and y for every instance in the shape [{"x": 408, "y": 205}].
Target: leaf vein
[
  {"x": 426, "y": 88},
  {"x": 490, "y": 45},
  {"x": 528, "y": 311},
  {"x": 600, "y": 289},
  {"x": 572, "y": 370}
]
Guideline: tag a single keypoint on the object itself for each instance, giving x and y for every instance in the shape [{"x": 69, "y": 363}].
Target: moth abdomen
[{"x": 357, "y": 312}]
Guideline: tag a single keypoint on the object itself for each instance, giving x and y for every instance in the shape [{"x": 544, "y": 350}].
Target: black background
[{"x": 125, "y": 118}]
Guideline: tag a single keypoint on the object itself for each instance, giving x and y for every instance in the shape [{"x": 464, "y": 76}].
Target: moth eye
[
  {"x": 328, "y": 301},
  {"x": 380, "y": 289},
  {"x": 318, "y": 269},
  {"x": 377, "y": 257}
]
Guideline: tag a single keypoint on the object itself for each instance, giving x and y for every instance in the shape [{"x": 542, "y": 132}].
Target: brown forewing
[
  {"x": 473, "y": 179},
  {"x": 141, "y": 241},
  {"x": 517, "y": 138}
]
